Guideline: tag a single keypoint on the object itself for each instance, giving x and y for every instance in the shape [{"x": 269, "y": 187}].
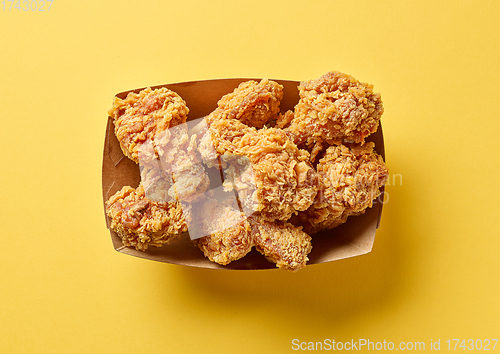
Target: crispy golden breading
[
  {"x": 144, "y": 116},
  {"x": 141, "y": 223},
  {"x": 274, "y": 178},
  {"x": 351, "y": 177},
  {"x": 281, "y": 243},
  {"x": 229, "y": 237},
  {"x": 252, "y": 103},
  {"x": 334, "y": 108}
]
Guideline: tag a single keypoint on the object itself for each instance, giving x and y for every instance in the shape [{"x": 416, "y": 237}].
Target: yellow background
[{"x": 434, "y": 269}]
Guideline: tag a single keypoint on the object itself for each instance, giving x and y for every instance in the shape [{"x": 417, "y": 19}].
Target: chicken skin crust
[
  {"x": 145, "y": 116},
  {"x": 141, "y": 222},
  {"x": 351, "y": 178},
  {"x": 334, "y": 108}
]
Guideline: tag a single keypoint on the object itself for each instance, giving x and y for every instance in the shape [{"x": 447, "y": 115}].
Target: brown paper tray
[{"x": 353, "y": 238}]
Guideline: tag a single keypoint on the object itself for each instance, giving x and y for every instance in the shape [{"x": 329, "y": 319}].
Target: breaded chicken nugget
[
  {"x": 334, "y": 108},
  {"x": 252, "y": 103},
  {"x": 277, "y": 181},
  {"x": 351, "y": 178},
  {"x": 144, "y": 116},
  {"x": 141, "y": 222},
  {"x": 229, "y": 236}
]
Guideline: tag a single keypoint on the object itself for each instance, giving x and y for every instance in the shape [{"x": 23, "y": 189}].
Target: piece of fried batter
[
  {"x": 252, "y": 103},
  {"x": 141, "y": 222},
  {"x": 144, "y": 116},
  {"x": 281, "y": 243},
  {"x": 351, "y": 177},
  {"x": 334, "y": 108}
]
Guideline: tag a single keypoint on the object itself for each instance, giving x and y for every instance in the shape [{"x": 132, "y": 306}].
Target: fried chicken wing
[
  {"x": 252, "y": 103},
  {"x": 281, "y": 243},
  {"x": 141, "y": 222},
  {"x": 143, "y": 116},
  {"x": 150, "y": 126},
  {"x": 353, "y": 173},
  {"x": 278, "y": 179},
  {"x": 229, "y": 236},
  {"x": 351, "y": 178},
  {"x": 177, "y": 171},
  {"x": 334, "y": 108}
]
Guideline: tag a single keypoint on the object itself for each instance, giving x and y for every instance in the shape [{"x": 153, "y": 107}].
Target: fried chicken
[
  {"x": 351, "y": 178},
  {"x": 281, "y": 243},
  {"x": 252, "y": 103},
  {"x": 177, "y": 174},
  {"x": 143, "y": 116},
  {"x": 228, "y": 232},
  {"x": 284, "y": 120},
  {"x": 150, "y": 126},
  {"x": 271, "y": 175},
  {"x": 334, "y": 108},
  {"x": 141, "y": 222},
  {"x": 231, "y": 235},
  {"x": 271, "y": 195},
  {"x": 278, "y": 179}
]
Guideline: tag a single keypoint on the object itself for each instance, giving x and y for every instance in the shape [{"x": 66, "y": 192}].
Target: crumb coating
[{"x": 141, "y": 222}]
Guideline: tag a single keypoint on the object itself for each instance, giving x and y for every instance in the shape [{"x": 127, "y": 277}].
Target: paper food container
[{"x": 353, "y": 238}]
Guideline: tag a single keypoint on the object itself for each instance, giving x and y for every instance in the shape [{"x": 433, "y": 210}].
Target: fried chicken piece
[
  {"x": 141, "y": 222},
  {"x": 144, "y": 116},
  {"x": 270, "y": 174},
  {"x": 351, "y": 178},
  {"x": 334, "y": 108},
  {"x": 177, "y": 175},
  {"x": 150, "y": 126},
  {"x": 252, "y": 103},
  {"x": 229, "y": 236},
  {"x": 281, "y": 243}
]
